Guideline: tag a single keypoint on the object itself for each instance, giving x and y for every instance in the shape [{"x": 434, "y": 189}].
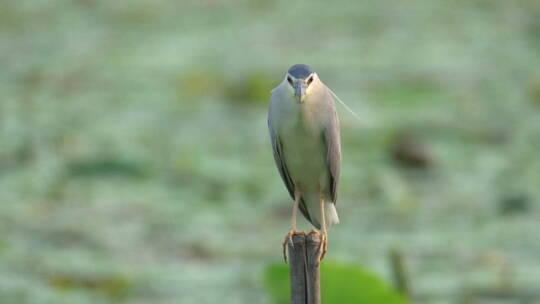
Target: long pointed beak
[{"x": 300, "y": 90}]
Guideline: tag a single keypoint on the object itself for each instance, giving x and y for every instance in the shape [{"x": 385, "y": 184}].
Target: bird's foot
[
  {"x": 288, "y": 239},
  {"x": 323, "y": 245}
]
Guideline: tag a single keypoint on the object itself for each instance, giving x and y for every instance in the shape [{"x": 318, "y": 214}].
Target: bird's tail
[{"x": 330, "y": 212}]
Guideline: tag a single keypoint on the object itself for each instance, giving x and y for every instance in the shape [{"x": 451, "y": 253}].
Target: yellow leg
[
  {"x": 295, "y": 211},
  {"x": 324, "y": 234},
  {"x": 292, "y": 231}
]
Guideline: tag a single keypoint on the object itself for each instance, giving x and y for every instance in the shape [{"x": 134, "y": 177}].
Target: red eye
[
  {"x": 310, "y": 80},
  {"x": 289, "y": 79}
]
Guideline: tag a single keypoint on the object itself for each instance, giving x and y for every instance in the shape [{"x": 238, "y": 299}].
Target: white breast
[{"x": 304, "y": 151}]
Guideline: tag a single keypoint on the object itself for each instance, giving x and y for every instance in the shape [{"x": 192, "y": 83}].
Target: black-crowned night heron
[{"x": 304, "y": 129}]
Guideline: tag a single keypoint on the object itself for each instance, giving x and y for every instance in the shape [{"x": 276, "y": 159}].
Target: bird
[{"x": 305, "y": 137}]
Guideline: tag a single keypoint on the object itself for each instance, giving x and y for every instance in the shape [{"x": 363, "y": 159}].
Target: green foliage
[
  {"x": 200, "y": 83},
  {"x": 535, "y": 92},
  {"x": 251, "y": 88},
  {"x": 276, "y": 281},
  {"x": 340, "y": 283},
  {"x": 114, "y": 286},
  {"x": 514, "y": 203},
  {"x": 106, "y": 167}
]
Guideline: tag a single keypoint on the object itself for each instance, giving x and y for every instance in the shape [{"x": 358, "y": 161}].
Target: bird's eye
[
  {"x": 289, "y": 79},
  {"x": 310, "y": 80}
]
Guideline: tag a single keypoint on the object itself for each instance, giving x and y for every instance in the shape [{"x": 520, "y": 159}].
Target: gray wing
[
  {"x": 332, "y": 141},
  {"x": 277, "y": 149}
]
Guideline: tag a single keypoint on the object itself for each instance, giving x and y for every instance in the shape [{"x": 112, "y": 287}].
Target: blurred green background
[{"x": 135, "y": 164}]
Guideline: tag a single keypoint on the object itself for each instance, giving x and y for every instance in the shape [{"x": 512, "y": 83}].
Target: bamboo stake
[
  {"x": 313, "y": 242},
  {"x": 303, "y": 254}
]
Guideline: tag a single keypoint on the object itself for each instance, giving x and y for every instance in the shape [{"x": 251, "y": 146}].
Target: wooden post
[
  {"x": 399, "y": 272},
  {"x": 313, "y": 242},
  {"x": 297, "y": 268},
  {"x": 304, "y": 269}
]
